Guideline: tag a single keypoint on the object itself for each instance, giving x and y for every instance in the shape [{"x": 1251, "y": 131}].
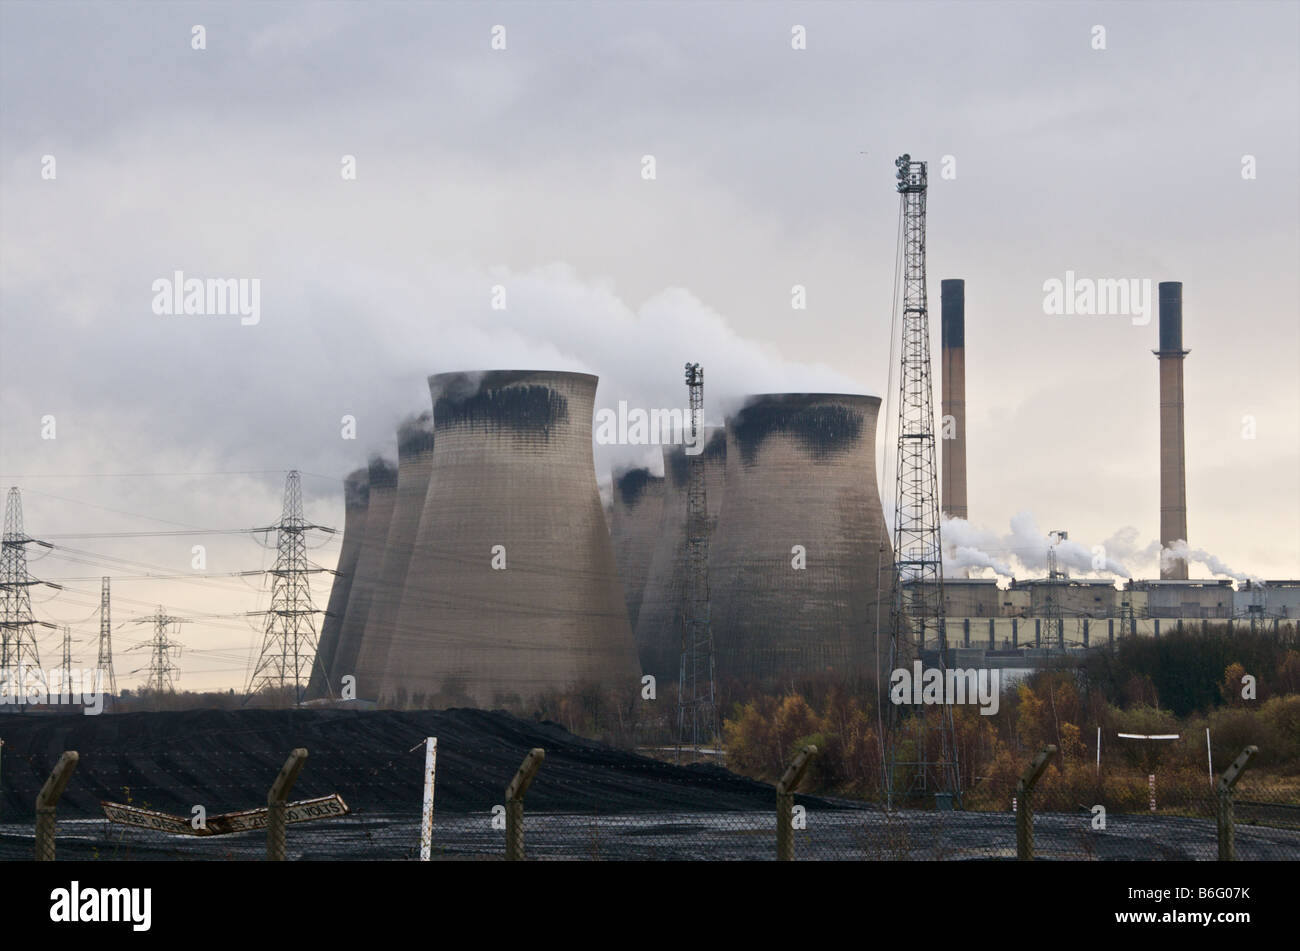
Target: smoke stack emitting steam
[
  {"x": 953, "y": 318},
  {"x": 1173, "y": 460}
]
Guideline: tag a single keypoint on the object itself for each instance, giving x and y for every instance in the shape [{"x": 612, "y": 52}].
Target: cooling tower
[
  {"x": 634, "y": 527},
  {"x": 1173, "y": 461},
  {"x": 512, "y": 588},
  {"x": 801, "y": 471},
  {"x": 414, "y": 463},
  {"x": 953, "y": 431},
  {"x": 379, "y": 514},
  {"x": 356, "y": 497},
  {"x": 659, "y": 621}
]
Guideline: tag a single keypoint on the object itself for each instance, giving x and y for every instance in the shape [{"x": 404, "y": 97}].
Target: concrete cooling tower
[
  {"x": 659, "y": 620},
  {"x": 379, "y": 514},
  {"x": 414, "y": 463},
  {"x": 356, "y": 497},
  {"x": 634, "y": 527},
  {"x": 801, "y": 471},
  {"x": 512, "y": 588}
]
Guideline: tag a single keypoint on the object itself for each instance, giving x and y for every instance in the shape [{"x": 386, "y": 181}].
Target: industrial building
[
  {"x": 1260, "y": 600},
  {"x": 512, "y": 588}
]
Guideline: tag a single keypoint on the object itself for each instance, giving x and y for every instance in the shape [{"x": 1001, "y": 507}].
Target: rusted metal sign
[{"x": 247, "y": 820}]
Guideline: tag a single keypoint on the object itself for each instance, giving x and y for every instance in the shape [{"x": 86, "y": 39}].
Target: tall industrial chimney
[
  {"x": 379, "y": 515},
  {"x": 414, "y": 463},
  {"x": 512, "y": 589},
  {"x": 953, "y": 432},
  {"x": 659, "y": 624},
  {"x": 356, "y": 498},
  {"x": 800, "y": 567},
  {"x": 1173, "y": 461}
]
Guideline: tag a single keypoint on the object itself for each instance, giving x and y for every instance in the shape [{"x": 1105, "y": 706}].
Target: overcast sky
[{"x": 523, "y": 168}]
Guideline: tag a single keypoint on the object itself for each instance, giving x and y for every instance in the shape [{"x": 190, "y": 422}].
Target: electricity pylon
[
  {"x": 18, "y": 650},
  {"x": 289, "y": 645},
  {"x": 105, "y": 660}
]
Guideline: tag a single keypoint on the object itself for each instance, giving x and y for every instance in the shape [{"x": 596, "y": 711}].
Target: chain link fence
[{"x": 208, "y": 800}]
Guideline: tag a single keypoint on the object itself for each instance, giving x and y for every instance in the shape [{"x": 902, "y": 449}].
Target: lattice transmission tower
[
  {"x": 697, "y": 715},
  {"x": 104, "y": 662},
  {"x": 917, "y": 617},
  {"x": 289, "y": 644},
  {"x": 18, "y": 650},
  {"x": 162, "y": 671}
]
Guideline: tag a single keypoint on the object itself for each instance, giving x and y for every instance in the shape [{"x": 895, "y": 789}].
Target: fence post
[
  {"x": 426, "y": 815},
  {"x": 276, "y": 801},
  {"x": 515, "y": 803},
  {"x": 1025, "y": 804},
  {"x": 1227, "y": 838},
  {"x": 785, "y": 788},
  {"x": 47, "y": 800}
]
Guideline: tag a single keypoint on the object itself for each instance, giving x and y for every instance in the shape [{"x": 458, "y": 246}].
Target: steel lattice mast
[
  {"x": 1055, "y": 580},
  {"x": 17, "y": 636},
  {"x": 105, "y": 659},
  {"x": 289, "y": 646},
  {"x": 917, "y": 621},
  {"x": 697, "y": 718},
  {"x": 162, "y": 672}
]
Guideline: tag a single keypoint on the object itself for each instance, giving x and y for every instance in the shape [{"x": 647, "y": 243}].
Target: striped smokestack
[
  {"x": 1173, "y": 459},
  {"x": 953, "y": 431},
  {"x": 512, "y": 589},
  {"x": 414, "y": 463},
  {"x": 379, "y": 514},
  {"x": 801, "y": 471},
  {"x": 356, "y": 498},
  {"x": 659, "y": 621},
  {"x": 638, "y": 506}
]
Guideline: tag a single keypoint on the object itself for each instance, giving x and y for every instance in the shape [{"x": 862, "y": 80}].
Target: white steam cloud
[{"x": 1022, "y": 552}]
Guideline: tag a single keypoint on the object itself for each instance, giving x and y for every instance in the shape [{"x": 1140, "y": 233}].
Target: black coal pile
[{"x": 226, "y": 760}]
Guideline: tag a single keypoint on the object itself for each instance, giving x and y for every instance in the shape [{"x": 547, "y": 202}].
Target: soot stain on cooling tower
[
  {"x": 356, "y": 489},
  {"x": 678, "y": 463},
  {"x": 820, "y": 429},
  {"x": 631, "y": 485},
  {"x": 415, "y": 435},
  {"x": 383, "y": 474},
  {"x": 530, "y": 408}
]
